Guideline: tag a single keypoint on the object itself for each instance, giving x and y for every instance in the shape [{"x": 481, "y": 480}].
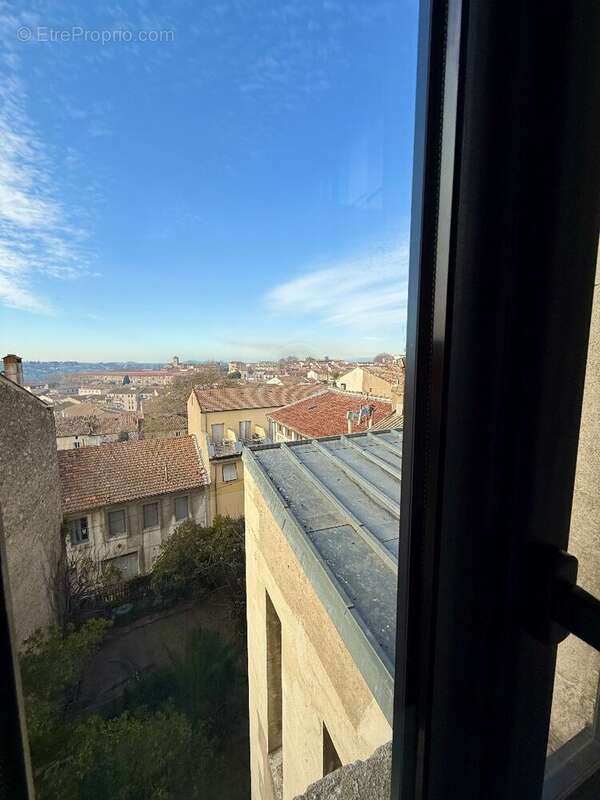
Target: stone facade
[
  {"x": 362, "y": 780},
  {"x": 138, "y": 546},
  {"x": 30, "y": 507},
  {"x": 319, "y": 683}
]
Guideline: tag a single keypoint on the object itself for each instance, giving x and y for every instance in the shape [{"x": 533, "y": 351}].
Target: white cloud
[
  {"x": 365, "y": 293},
  {"x": 37, "y": 236}
]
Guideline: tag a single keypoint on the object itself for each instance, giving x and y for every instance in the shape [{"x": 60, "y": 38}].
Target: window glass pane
[
  {"x": 218, "y": 433},
  {"x": 151, "y": 515},
  {"x": 229, "y": 472},
  {"x": 181, "y": 508},
  {"x": 79, "y": 530},
  {"x": 116, "y": 523},
  {"x": 234, "y": 180}
]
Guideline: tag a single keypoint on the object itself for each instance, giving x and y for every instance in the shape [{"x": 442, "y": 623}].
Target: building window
[
  {"x": 245, "y": 429},
  {"x": 229, "y": 472},
  {"x": 217, "y": 433},
  {"x": 274, "y": 682},
  {"x": 78, "y": 529},
  {"x": 117, "y": 524},
  {"x": 181, "y": 508},
  {"x": 76, "y": 444},
  {"x": 331, "y": 760},
  {"x": 127, "y": 566},
  {"x": 151, "y": 516}
]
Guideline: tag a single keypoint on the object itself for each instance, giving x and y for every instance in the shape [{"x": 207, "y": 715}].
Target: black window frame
[{"x": 505, "y": 193}]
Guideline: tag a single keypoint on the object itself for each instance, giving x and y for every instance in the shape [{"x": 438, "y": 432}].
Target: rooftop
[
  {"x": 393, "y": 420},
  {"x": 259, "y": 396},
  {"x": 337, "y": 502},
  {"x": 325, "y": 414},
  {"x": 390, "y": 372},
  {"x": 92, "y": 477},
  {"x": 96, "y": 425}
]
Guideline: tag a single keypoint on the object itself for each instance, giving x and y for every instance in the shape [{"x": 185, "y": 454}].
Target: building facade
[
  {"x": 30, "y": 509},
  {"x": 320, "y": 516},
  {"x": 385, "y": 381},
  {"x": 224, "y": 420},
  {"x": 76, "y": 432},
  {"x": 122, "y": 501}
]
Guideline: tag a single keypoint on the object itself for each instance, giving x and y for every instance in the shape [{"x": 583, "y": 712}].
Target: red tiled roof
[
  {"x": 394, "y": 420},
  {"x": 260, "y": 396},
  {"x": 117, "y": 473},
  {"x": 325, "y": 414},
  {"x": 97, "y": 425}
]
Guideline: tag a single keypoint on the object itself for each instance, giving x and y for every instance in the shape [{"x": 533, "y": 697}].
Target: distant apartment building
[
  {"x": 384, "y": 381},
  {"x": 236, "y": 366},
  {"x": 145, "y": 377},
  {"x": 224, "y": 420},
  {"x": 127, "y": 398},
  {"x": 122, "y": 501},
  {"x": 329, "y": 413},
  {"x": 30, "y": 510},
  {"x": 87, "y": 391},
  {"x": 322, "y": 527},
  {"x": 76, "y": 432}
]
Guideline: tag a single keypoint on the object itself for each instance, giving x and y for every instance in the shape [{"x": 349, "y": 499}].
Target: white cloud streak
[
  {"x": 365, "y": 293},
  {"x": 36, "y": 235}
]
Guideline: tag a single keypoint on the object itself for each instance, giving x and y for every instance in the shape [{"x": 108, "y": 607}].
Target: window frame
[
  {"x": 158, "y": 509},
  {"x": 468, "y": 605},
  {"x": 230, "y": 464},
  {"x": 79, "y": 541},
  {"x": 123, "y": 534},
  {"x": 185, "y": 497}
]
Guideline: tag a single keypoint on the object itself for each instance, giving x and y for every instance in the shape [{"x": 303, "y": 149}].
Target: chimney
[
  {"x": 349, "y": 418},
  {"x": 13, "y": 368}
]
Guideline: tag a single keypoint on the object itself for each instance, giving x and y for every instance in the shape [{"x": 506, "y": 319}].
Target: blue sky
[{"x": 240, "y": 189}]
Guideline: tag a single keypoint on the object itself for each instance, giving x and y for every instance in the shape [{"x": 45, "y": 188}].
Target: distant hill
[{"x": 49, "y": 371}]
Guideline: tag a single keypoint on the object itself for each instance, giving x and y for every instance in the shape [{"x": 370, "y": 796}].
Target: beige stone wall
[
  {"x": 578, "y": 666},
  {"x": 321, "y": 682},
  {"x": 144, "y": 543},
  {"x": 226, "y": 497},
  {"x": 359, "y": 380},
  {"x": 30, "y": 508}
]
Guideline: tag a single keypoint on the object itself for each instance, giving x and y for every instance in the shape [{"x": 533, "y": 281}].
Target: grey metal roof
[{"x": 337, "y": 501}]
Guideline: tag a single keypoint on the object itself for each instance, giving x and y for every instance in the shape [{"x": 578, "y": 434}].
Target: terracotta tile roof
[
  {"x": 260, "y": 396},
  {"x": 96, "y": 425},
  {"x": 394, "y": 420},
  {"x": 84, "y": 409},
  {"x": 165, "y": 422},
  {"x": 117, "y": 473},
  {"x": 325, "y": 414},
  {"x": 392, "y": 374}
]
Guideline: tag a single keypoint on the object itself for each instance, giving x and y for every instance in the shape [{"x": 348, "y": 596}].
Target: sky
[{"x": 224, "y": 179}]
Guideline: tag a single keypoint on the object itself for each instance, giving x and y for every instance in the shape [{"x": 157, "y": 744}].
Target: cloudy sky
[{"x": 227, "y": 179}]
